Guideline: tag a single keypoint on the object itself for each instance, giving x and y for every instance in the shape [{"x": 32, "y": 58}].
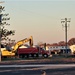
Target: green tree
[{"x": 3, "y": 31}]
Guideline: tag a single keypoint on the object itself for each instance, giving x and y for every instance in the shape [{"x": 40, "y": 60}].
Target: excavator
[{"x": 10, "y": 53}]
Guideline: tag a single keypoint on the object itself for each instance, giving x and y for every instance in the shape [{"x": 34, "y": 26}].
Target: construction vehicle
[
  {"x": 24, "y": 52},
  {"x": 35, "y": 51},
  {"x": 32, "y": 52},
  {"x": 9, "y": 53}
]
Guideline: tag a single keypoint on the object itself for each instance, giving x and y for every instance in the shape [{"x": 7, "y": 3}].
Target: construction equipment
[
  {"x": 32, "y": 52},
  {"x": 7, "y": 53}
]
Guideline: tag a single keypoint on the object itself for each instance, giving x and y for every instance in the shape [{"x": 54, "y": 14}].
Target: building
[{"x": 57, "y": 48}]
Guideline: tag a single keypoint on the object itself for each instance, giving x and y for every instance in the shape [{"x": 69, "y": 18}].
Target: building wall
[{"x": 57, "y": 47}]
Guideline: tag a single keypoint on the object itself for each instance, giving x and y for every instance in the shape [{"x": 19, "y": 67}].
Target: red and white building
[{"x": 57, "y": 48}]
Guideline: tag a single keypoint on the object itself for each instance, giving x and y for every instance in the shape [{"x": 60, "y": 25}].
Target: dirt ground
[{"x": 53, "y": 60}]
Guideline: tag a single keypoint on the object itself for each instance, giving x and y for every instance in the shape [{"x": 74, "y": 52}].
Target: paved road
[
  {"x": 51, "y": 69},
  {"x": 40, "y": 65}
]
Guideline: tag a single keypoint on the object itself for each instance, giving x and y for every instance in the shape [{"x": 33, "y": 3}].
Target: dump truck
[{"x": 32, "y": 52}]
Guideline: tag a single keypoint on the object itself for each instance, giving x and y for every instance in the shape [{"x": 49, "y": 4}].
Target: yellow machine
[{"x": 7, "y": 53}]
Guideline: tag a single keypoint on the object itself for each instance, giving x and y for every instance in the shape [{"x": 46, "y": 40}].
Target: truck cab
[{"x": 44, "y": 53}]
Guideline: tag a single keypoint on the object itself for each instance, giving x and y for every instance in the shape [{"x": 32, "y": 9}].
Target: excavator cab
[
  {"x": 5, "y": 52},
  {"x": 8, "y": 47}
]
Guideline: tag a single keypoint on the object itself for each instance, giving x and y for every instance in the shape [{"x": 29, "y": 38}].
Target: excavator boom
[{"x": 19, "y": 43}]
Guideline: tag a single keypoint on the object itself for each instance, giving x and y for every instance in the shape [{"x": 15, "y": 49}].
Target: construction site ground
[{"x": 51, "y": 60}]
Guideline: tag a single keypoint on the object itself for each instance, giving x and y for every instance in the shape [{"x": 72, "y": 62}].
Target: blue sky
[{"x": 41, "y": 19}]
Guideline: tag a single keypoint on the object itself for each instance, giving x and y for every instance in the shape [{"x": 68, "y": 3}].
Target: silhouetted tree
[
  {"x": 3, "y": 31},
  {"x": 71, "y": 41}
]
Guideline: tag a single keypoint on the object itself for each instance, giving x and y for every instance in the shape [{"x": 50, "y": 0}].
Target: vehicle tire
[
  {"x": 45, "y": 56},
  {"x": 30, "y": 55},
  {"x": 35, "y": 55},
  {"x": 26, "y": 56},
  {"x": 21, "y": 56}
]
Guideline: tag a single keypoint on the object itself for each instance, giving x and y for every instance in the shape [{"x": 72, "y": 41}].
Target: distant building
[{"x": 57, "y": 48}]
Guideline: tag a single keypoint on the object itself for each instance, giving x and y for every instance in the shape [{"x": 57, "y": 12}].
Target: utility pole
[{"x": 66, "y": 25}]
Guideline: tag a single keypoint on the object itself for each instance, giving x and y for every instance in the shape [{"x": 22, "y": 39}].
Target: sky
[{"x": 40, "y": 19}]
